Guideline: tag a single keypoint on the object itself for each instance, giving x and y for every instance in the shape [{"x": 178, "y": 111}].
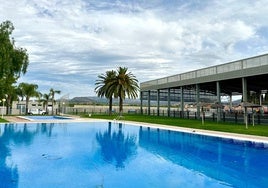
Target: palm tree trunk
[
  {"x": 27, "y": 104},
  {"x": 52, "y": 104},
  {"x": 120, "y": 106},
  {"x": 47, "y": 108},
  {"x": 110, "y": 105},
  {"x": 52, "y": 108},
  {"x": 8, "y": 105}
]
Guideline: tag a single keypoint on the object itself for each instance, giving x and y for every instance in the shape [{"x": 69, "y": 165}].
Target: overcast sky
[{"x": 71, "y": 42}]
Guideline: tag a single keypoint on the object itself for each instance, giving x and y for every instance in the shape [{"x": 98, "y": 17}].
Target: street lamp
[
  {"x": 3, "y": 102},
  {"x": 63, "y": 110}
]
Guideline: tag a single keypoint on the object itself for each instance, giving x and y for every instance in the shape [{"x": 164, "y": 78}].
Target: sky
[{"x": 71, "y": 42}]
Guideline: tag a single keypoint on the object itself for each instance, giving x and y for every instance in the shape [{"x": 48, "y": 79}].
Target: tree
[
  {"x": 13, "y": 61},
  {"x": 29, "y": 90},
  {"x": 45, "y": 99},
  {"x": 118, "y": 84},
  {"x": 10, "y": 97},
  {"x": 19, "y": 92},
  {"x": 124, "y": 85},
  {"x": 102, "y": 88},
  {"x": 52, "y": 94}
]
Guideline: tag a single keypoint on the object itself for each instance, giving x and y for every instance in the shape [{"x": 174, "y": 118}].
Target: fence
[
  {"x": 225, "y": 117},
  {"x": 173, "y": 112}
]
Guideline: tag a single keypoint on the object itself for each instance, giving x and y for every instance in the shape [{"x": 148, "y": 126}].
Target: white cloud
[{"x": 71, "y": 42}]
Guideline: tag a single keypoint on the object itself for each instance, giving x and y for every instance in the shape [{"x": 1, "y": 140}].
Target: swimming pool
[
  {"x": 44, "y": 118},
  {"x": 102, "y": 154}
]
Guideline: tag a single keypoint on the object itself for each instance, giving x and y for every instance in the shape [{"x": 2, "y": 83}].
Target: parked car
[{"x": 37, "y": 112}]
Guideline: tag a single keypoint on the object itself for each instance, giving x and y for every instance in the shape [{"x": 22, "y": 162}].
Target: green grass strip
[
  {"x": 260, "y": 130},
  {"x": 3, "y": 120}
]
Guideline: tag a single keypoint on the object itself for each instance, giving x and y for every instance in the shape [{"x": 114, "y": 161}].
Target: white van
[{"x": 37, "y": 112}]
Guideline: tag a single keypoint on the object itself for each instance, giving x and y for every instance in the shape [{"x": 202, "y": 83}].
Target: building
[
  {"x": 19, "y": 107},
  {"x": 243, "y": 77}
]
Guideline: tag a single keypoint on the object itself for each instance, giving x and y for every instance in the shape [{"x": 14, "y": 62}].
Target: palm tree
[
  {"x": 125, "y": 84},
  {"x": 52, "y": 94},
  {"x": 45, "y": 98},
  {"x": 19, "y": 92},
  {"x": 29, "y": 90},
  {"x": 103, "y": 84}
]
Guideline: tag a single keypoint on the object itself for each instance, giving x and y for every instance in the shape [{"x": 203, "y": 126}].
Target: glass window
[
  {"x": 229, "y": 67},
  {"x": 264, "y": 60},
  {"x": 174, "y": 78},
  {"x": 253, "y": 62},
  {"x": 188, "y": 75},
  {"x": 162, "y": 81},
  {"x": 206, "y": 72}
]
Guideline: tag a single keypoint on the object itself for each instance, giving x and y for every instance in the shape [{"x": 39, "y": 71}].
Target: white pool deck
[{"x": 253, "y": 138}]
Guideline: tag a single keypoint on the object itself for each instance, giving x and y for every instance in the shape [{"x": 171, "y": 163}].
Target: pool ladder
[{"x": 119, "y": 118}]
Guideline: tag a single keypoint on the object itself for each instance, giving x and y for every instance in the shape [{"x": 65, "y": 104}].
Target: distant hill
[
  {"x": 81, "y": 100},
  {"x": 103, "y": 101},
  {"x": 98, "y": 100}
]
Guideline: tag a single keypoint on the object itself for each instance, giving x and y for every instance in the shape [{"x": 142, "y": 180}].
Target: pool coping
[
  {"x": 34, "y": 120},
  {"x": 236, "y": 136},
  {"x": 243, "y": 137}
]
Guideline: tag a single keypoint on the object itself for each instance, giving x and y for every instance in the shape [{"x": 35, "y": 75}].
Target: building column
[
  {"x": 245, "y": 99},
  {"x": 260, "y": 98},
  {"x": 244, "y": 90},
  {"x": 197, "y": 87},
  {"x": 149, "y": 102},
  {"x": 231, "y": 101},
  {"x": 182, "y": 102},
  {"x": 218, "y": 101},
  {"x": 168, "y": 99},
  {"x": 141, "y": 98},
  {"x": 158, "y": 101}
]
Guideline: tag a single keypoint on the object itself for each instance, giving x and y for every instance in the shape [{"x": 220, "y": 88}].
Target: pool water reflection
[{"x": 103, "y": 154}]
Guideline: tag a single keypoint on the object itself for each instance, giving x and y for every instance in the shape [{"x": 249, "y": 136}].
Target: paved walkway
[
  {"x": 253, "y": 138},
  {"x": 15, "y": 119}
]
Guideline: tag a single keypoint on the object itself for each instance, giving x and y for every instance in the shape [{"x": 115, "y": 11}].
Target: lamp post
[
  {"x": 3, "y": 102},
  {"x": 63, "y": 110}
]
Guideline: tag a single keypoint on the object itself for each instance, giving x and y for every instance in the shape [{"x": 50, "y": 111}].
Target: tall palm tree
[
  {"x": 103, "y": 85},
  {"x": 19, "y": 92},
  {"x": 29, "y": 90},
  {"x": 125, "y": 84},
  {"x": 52, "y": 94},
  {"x": 45, "y": 99}
]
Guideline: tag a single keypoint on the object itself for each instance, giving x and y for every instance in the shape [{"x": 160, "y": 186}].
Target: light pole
[
  {"x": 3, "y": 102},
  {"x": 63, "y": 110}
]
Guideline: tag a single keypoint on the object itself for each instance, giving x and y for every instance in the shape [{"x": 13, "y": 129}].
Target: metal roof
[{"x": 255, "y": 69}]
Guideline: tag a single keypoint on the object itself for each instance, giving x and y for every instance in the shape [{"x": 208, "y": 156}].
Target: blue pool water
[
  {"x": 111, "y": 155},
  {"x": 46, "y": 117}
]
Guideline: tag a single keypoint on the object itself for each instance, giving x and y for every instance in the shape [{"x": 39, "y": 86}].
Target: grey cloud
[{"x": 71, "y": 42}]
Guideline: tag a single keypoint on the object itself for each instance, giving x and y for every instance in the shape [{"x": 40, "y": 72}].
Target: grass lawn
[
  {"x": 260, "y": 130},
  {"x": 3, "y": 120}
]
